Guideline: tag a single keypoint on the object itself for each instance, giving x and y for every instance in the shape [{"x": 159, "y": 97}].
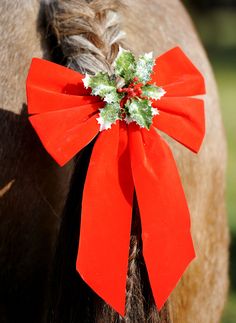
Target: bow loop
[
  {"x": 65, "y": 132},
  {"x": 183, "y": 119},
  {"x": 53, "y": 87},
  {"x": 177, "y": 75}
]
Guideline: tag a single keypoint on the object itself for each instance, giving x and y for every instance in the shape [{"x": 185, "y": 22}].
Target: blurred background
[{"x": 215, "y": 21}]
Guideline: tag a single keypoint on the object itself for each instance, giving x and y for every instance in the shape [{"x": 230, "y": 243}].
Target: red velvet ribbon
[{"x": 124, "y": 158}]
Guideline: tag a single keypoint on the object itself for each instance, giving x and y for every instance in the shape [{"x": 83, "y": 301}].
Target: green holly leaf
[
  {"x": 152, "y": 91},
  {"x": 125, "y": 65},
  {"x": 140, "y": 111},
  {"x": 144, "y": 67},
  {"x": 109, "y": 115},
  {"x": 102, "y": 85}
]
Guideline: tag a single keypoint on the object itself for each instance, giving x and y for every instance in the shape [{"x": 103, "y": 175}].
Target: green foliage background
[{"x": 215, "y": 21}]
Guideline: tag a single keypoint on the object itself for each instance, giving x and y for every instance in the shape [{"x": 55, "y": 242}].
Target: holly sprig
[{"x": 127, "y": 93}]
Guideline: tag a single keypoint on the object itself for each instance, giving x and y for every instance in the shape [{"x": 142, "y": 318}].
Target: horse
[{"x": 39, "y": 203}]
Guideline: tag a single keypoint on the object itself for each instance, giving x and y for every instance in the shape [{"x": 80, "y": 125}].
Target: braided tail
[{"x": 88, "y": 32}]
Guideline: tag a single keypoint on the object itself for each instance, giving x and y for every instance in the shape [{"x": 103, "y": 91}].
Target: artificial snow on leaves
[
  {"x": 125, "y": 65},
  {"x": 102, "y": 85},
  {"x": 144, "y": 67},
  {"x": 153, "y": 92},
  {"x": 109, "y": 115},
  {"x": 141, "y": 112}
]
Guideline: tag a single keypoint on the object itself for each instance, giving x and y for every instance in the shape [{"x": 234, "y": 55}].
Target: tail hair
[{"x": 88, "y": 32}]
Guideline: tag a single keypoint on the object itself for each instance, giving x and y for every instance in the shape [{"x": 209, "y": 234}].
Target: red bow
[{"x": 123, "y": 158}]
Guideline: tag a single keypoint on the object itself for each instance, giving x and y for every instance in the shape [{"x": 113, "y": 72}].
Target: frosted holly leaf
[
  {"x": 140, "y": 111},
  {"x": 112, "y": 97},
  {"x": 102, "y": 85},
  {"x": 108, "y": 115},
  {"x": 86, "y": 80},
  {"x": 125, "y": 65},
  {"x": 152, "y": 91},
  {"x": 155, "y": 112},
  {"x": 144, "y": 67}
]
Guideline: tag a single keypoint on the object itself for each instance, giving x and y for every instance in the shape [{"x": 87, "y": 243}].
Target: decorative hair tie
[{"x": 125, "y": 111}]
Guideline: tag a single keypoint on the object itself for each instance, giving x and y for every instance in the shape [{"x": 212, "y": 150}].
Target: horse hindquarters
[{"x": 155, "y": 25}]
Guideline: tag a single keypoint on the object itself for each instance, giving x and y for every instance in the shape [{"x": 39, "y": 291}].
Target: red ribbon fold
[{"x": 124, "y": 158}]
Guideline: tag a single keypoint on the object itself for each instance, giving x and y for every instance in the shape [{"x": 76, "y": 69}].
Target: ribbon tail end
[
  {"x": 118, "y": 306},
  {"x": 161, "y": 298}
]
